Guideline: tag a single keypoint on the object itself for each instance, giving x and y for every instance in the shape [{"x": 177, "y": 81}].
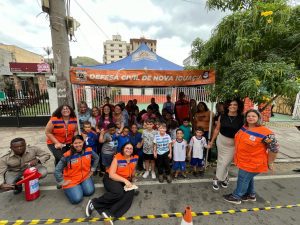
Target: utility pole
[{"x": 61, "y": 51}]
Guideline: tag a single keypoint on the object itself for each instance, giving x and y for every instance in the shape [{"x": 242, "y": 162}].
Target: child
[
  {"x": 148, "y": 137},
  {"x": 136, "y": 140},
  {"x": 109, "y": 146},
  {"x": 163, "y": 153},
  {"x": 180, "y": 149},
  {"x": 172, "y": 129},
  {"x": 90, "y": 136},
  {"x": 197, "y": 144},
  {"x": 187, "y": 129},
  {"x": 122, "y": 138}
]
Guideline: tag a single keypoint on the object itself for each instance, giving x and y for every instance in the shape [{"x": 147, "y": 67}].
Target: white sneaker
[
  {"x": 146, "y": 174},
  {"x": 153, "y": 175}
]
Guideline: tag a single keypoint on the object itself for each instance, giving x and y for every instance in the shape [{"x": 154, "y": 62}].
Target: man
[
  {"x": 154, "y": 105},
  {"x": 14, "y": 161},
  {"x": 168, "y": 105},
  {"x": 182, "y": 108}
]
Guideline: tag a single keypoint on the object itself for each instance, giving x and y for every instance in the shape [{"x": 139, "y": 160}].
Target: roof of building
[{"x": 142, "y": 58}]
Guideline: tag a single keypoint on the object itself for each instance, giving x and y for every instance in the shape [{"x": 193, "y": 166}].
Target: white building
[
  {"x": 189, "y": 61},
  {"x": 114, "y": 49}
]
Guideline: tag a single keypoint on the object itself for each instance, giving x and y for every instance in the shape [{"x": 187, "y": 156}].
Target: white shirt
[
  {"x": 197, "y": 146},
  {"x": 179, "y": 151}
]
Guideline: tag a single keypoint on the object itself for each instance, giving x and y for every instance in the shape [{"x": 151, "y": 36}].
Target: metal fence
[
  {"x": 94, "y": 95},
  {"x": 26, "y": 103}
]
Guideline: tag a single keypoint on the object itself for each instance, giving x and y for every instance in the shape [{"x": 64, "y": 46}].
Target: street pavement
[{"x": 154, "y": 198}]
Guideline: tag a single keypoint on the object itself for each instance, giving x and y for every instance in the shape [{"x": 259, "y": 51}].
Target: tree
[
  {"x": 84, "y": 60},
  {"x": 255, "y": 50}
]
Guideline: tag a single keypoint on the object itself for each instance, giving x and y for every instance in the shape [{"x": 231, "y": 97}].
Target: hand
[
  {"x": 97, "y": 130},
  {"x": 102, "y": 131},
  {"x": 173, "y": 142},
  {"x": 7, "y": 187},
  {"x": 58, "y": 145},
  {"x": 66, "y": 182},
  {"x": 33, "y": 162},
  {"x": 128, "y": 184},
  {"x": 84, "y": 135},
  {"x": 271, "y": 167},
  {"x": 90, "y": 173},
  {"x": 170, "y": 156},
  {"x": 139, "y": 145}
]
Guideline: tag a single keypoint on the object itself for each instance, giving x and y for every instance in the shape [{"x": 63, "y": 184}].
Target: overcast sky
[{"x": 173, "y": 23}]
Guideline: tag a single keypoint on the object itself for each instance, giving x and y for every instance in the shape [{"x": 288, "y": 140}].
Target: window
[
  {"x": 120, "y": 45},
  {"x": 120, "y": 51},
  {"x": 112, "y": 45},
  {"x": 143, "y": 91},
  {"x": 111, "y": 50},
  {"x": 112, "y": 56},
  {"x": 120, "y": 57},
  {"x": 131, "y": 91}
]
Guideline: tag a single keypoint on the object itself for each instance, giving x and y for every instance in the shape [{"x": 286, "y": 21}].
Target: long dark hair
[
  {"x": 240, "y": 106},
  {"x": 73, "y": 150},
  {"x": 123, "y": 147},
  {"x": 57, "y": 112},
  {"x": 204, "y": 105},
  {"x": 102, "y": 117}
]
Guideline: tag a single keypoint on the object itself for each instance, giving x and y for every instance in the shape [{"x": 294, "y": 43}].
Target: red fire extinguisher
[{"x": 31, "y": 182}]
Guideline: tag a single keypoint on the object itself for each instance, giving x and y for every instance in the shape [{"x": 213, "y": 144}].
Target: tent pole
[
  {"x": 211, "y": 120},
  {"x": 76, "y": 109}
]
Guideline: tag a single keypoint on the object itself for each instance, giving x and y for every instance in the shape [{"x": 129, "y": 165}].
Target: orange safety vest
[
  {"x": 251, "y": 153},
  {"x": 79, "y": 169},
  {"x": 125, "y": 169},
  {"x": 61, "y": 131}
]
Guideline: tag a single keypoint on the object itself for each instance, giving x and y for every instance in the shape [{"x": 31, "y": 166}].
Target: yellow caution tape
[{"x": 151, "y": 216}]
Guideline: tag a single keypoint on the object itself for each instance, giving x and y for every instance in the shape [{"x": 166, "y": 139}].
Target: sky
[{"x": 173, "y": 23}]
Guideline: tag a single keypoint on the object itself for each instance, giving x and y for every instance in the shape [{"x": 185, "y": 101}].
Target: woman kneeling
[
  {"x": 74, "y": 169},
  {"x": 116, "y": 201}
]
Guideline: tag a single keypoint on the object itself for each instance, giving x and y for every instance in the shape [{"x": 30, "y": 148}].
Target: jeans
[
  {"x": 163, "y": 163},
  {"x": 75, "y": 194},
  {"x": 245, "y": 184},
  {"x": 58, "y": 153}
]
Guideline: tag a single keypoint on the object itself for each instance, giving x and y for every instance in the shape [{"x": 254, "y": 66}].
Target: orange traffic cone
[{"x": 187, "y": 217}]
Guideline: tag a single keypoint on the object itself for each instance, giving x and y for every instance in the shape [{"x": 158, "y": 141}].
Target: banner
[{"x": 142, "y": 78}]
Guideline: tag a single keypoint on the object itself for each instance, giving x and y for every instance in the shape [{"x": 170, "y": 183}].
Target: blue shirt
[
  {"x": 135, "y": 138},
  {"x": 92, "y": 140},
  {"x": 162, "y": 143},
  {"x": 121, "y": 141}
]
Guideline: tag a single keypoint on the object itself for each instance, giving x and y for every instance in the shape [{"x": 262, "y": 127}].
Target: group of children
[{"x": 156, "y": 144}]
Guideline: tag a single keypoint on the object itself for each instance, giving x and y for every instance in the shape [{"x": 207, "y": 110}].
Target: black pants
[
  {"x": 163, "y": 163},
  {"x": 58, "y": 153},
  {"x": 115, "y": 201}
]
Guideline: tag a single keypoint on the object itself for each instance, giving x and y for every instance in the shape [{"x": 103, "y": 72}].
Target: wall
[{"x": 22, "y": 55}]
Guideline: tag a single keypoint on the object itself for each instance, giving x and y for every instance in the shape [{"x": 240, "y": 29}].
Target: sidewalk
[{"x": 286, "y": 132}]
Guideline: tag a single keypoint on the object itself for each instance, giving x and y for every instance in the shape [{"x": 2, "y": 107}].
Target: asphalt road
[{"x": 157, "y": 198}]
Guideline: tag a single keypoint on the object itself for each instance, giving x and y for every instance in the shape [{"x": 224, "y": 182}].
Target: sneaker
[
  {"x": 195, "y": 173},
  {"x": 230, "y": 198},
  {"x": 146, "y": 174},
  {"x": 225, "y": 183},
  {"x": 106, "y": 216},
  {"x": 18, "y": 189},
  {"x": 160, "y": 178},
  {"x": 215, "y": 185},
  {"x": 169, "y": 178},
  {"x": 89, "y": 208},
  {"x": 247, "y": 197},
  {"x": 184, "y": 175},
  {"x": 153, "y": 175}
]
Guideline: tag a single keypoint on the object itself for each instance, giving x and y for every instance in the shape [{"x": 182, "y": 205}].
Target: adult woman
[
  {"x": 106, "y": 117},
  {"x": 84, "y": 113},
  {"x": 60, "y": 130},
  {"x": 74, "y": 170},
  {"x": 94, "y": 119},
  {"x": 228, "y": 124},
  {"x": 116, "y": 201},
  {"x": 202, "y": 118},
  {"x": 255, "y": 151},
  {"x": 118, "y": 116}
]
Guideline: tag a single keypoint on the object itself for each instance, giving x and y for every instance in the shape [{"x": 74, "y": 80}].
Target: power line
[{"x": 88, "y": 15}]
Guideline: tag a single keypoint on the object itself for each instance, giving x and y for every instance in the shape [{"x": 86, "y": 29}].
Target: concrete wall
[{"x": 22, "y": 55}]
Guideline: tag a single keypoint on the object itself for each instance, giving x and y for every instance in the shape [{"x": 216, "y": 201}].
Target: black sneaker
[
  {"x": 169, "y": 179},
  {"x": 250, "y": 198},
  {"x": 107, "y": 216},
  {"x": 160, "y": 178},
  {"x": 18, "y": 189},
  {"x": 89, "y": 208},
  {"x": 225, "y": 183},
  {"x": 230, "y": 198},
  {"x": 215, "y": 185}
]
